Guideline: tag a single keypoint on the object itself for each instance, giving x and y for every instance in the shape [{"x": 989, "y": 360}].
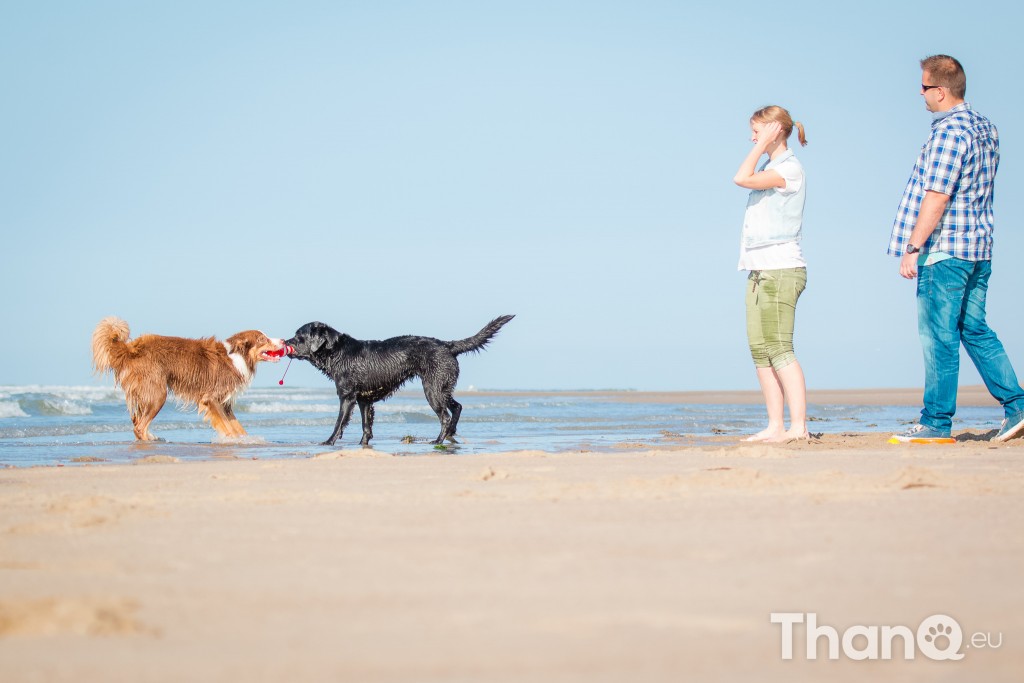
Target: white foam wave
[
  {"x": 11, "y": 409},
  {"x": 281, "y": 407},
  {"x": 64, "y": 407},
  {"x": 71, "y": 393},
  {"x": 285, "y": 396}
]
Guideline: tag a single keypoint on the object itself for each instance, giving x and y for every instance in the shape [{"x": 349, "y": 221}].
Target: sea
[{"x": 89, "y": 425}]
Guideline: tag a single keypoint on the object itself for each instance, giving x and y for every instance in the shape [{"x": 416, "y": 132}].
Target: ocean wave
[
  {"x": 506, "y": 418},
  {"x": 288, "y": 395},
  {"x": 284, "y": 407},
  {"x": 407, "y": 417},
  {"x": 56, "y": 406},
  {"x": 71, "y": 393},
  {"x": 65, "y": 429},
  {"x": 396, "y": 411},
  {"x": 400, "y": 407},
  {"x": 11, "y": 409}
]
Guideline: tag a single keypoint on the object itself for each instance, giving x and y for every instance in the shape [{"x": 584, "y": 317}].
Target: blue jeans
[{"x": 950, "y": 312}]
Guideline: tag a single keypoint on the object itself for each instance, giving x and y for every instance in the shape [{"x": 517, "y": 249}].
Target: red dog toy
[{"x": 287, "y": 350}]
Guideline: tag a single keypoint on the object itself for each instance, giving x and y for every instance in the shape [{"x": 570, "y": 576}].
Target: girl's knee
[
  {"x": 760, "y": 356},
  {"x": 782, "y": 360}
]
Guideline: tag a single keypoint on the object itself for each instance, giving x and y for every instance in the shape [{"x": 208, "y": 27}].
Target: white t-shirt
[
  {"x": 772, "y": 257},
  {"x": 765, "y": 207}
]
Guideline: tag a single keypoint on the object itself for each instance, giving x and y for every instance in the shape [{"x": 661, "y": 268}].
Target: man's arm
[{"x": 928, "y": 218}]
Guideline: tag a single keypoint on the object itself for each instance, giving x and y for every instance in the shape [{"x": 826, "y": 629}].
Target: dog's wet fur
[
  {"x": 207, "y": 373},
  {"x": 369, "y": 371}
]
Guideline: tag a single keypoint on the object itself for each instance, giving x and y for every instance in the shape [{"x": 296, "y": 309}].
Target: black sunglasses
[{"x": 926, "y": 88}]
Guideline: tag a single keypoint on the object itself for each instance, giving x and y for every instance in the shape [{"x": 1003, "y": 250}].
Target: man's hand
[{"x": 908, "y": 266}]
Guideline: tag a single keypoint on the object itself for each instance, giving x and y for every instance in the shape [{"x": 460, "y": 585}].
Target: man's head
[{"x": 943, "y": 82}]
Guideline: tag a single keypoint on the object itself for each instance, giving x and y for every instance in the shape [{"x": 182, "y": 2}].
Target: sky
[{"x": 201, "y": 168}]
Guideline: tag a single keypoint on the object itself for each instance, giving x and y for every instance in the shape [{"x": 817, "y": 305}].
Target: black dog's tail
[{"x": 481, "y": 338}]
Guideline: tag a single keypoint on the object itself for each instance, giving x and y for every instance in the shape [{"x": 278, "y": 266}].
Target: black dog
[{"x": 369, "y": 371}]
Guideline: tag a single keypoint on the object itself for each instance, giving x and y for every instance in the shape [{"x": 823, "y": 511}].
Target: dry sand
[{"x": 640, "y": 565}]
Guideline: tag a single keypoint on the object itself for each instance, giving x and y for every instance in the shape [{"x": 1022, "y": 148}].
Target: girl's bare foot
[
  {"x": 791, "y": 435},
  {"x": 769, "y": 434}
]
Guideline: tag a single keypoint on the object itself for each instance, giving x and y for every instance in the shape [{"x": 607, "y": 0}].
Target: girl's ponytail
[{"x": 800, "y": 133}]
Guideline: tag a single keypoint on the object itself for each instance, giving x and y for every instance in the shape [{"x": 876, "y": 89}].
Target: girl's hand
[{"x": 769, "y": 134}]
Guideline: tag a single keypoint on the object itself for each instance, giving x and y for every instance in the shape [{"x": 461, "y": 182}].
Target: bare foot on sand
[
  {"x": 790, "y": 435},
  {"x": 769, "y": 434}
]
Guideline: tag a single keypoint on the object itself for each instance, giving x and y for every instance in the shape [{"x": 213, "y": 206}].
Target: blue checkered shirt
[{"x": 960, "y": 160}]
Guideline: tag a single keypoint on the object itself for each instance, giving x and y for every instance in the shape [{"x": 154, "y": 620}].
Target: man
[{"x": 943, "y": 236}]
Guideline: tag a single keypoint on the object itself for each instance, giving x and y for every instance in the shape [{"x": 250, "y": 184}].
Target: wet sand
[{"x": 966, "y": 396}]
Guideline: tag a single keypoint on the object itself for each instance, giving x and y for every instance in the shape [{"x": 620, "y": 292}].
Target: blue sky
[{"x": 199, "y": 168}]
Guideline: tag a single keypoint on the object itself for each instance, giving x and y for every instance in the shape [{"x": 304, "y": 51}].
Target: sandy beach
[{"x": 638, "y": 565}]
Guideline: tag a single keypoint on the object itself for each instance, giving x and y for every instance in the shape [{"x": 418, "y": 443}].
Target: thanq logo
[{"x": 938, "y": 637}]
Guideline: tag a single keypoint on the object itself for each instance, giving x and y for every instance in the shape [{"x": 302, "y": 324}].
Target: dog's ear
[
  {"x": 323, "y": 337},
  {"x": 244, "y": 342}
]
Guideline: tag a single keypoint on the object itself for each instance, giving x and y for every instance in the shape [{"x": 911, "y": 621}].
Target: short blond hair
[
  {"x": 773, "y": 112},
  {"x": 947, "y": 72}
]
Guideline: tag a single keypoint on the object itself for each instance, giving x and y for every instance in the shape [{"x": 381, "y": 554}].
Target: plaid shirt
[{"x": 960, "y": 160}]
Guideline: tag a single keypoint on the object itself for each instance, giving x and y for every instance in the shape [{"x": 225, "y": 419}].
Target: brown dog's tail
[
  {"x": 109, "y": 346},
  {"x": 481, "y": 338}
]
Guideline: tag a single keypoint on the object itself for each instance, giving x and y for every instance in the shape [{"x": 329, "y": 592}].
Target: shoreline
[
  {"x": 969, "y": 395},
  {"x": 290, "y": 425}
]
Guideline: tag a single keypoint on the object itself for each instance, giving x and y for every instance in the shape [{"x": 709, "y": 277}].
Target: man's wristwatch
[{"x": 911, "y": 249}]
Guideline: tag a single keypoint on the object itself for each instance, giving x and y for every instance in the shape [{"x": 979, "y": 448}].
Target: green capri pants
[{"x": 771, "y": 314}]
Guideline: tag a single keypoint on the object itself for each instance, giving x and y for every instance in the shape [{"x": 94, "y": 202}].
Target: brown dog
[{"x": 203, "y": 372}]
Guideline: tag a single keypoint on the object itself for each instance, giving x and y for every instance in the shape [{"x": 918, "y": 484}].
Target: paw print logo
[
  {"x": 940, "y": 637},
  {"x": 939, "y": 631}
]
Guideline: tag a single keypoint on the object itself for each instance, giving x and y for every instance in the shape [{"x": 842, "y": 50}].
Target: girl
[{"x": 770, "y": 251}]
